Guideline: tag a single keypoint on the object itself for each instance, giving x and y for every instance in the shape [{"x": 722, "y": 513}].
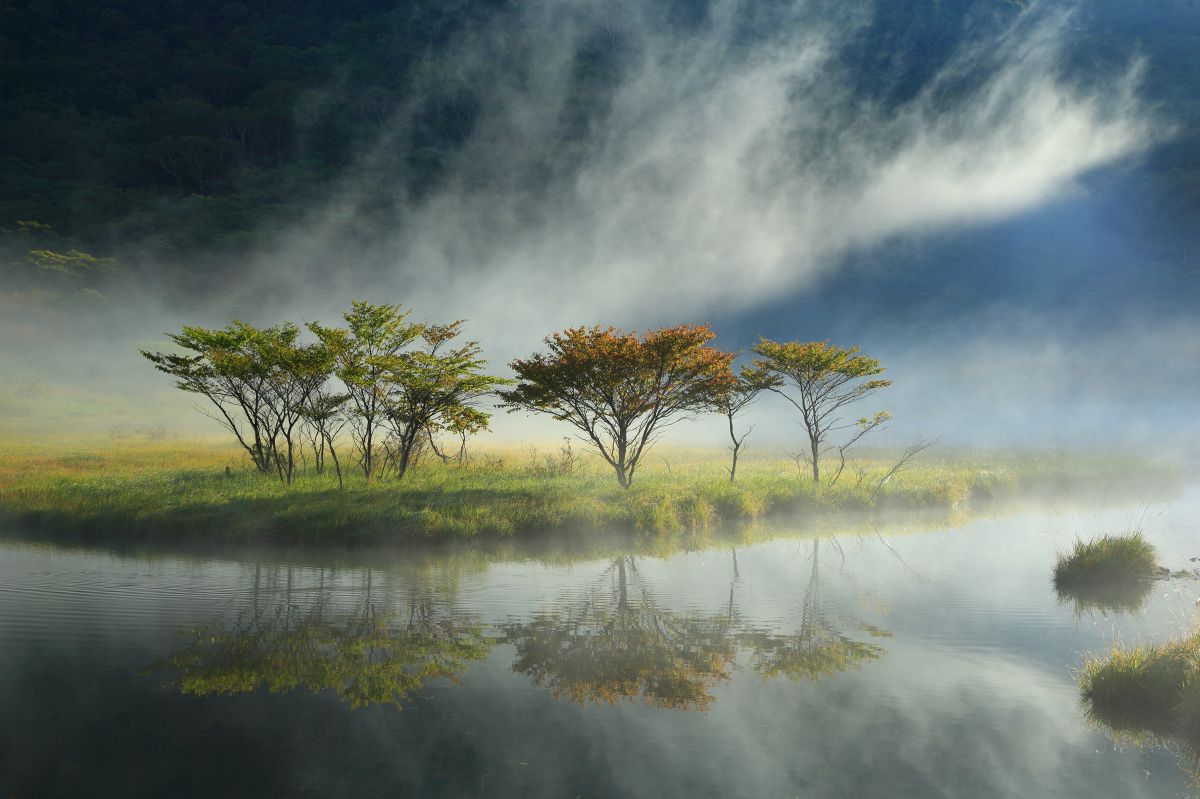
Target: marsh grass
[
  {"x": 143, "y": 490},
  {"x": 1148, "y": 696},
  {"x": 1140, "y": 691},
  {"x": 1110, "y": 571},
  {"x": 1109, "y": 574}
]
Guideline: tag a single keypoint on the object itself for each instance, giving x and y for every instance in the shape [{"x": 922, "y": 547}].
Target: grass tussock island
[
  {"x": 1105, "y": 560},
  {"x": 148, "y": 491},
  {"x": 1146, "y": 692}
]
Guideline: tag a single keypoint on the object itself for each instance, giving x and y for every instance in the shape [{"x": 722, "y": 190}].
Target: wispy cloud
[{"x": 717, "y": 167}]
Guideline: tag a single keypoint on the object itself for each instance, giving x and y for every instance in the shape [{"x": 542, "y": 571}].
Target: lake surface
[{"x": 893, "y": 662}]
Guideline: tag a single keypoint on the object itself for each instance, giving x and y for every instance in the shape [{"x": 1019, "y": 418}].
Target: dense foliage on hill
[
  {"x": 202, "y": 126},
  {"x": 197, "y": 123}
]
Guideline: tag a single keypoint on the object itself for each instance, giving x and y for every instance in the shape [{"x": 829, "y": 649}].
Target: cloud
[
  {"x": 616, "y": 164},
  {"x": 621, "y": 169}
]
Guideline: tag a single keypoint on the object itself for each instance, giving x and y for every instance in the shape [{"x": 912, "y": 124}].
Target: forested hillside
[
  {"x": 196, "y": 124},
  {"x": 186, "y": 128}
]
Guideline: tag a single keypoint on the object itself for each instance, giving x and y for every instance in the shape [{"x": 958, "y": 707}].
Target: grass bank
[
  {"x": 1145, "y": 694},
  {"x": 170, "y": 490}
]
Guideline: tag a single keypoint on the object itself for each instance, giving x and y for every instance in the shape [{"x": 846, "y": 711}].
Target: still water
[{"x": 885, "y": 662}]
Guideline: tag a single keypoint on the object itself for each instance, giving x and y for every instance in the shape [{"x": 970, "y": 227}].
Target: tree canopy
[
  {"x": 621, "y": 389},
  {"x": 400, "y": 384},
  {"x": 820, "y": 380},
  {"x": 258, "y": 382}
]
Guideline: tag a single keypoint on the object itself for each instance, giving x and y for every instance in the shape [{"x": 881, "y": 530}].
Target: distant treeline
[{"x": 397, "y": 389}]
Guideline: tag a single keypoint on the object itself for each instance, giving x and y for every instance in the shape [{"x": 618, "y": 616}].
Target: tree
[
  {"x": 296, "y": 374},
  {"x": 825, "y": 379},
  {"x": 621, "y": 389},
  {"x": 259, "y": 381},
  {"x": 740, "y": 392},
  {"x": 434, "y": 388},
  {"x": 364, "y": 353},
  {"x": 325, "y": 416},
  {"x": 460, "y": 422}
]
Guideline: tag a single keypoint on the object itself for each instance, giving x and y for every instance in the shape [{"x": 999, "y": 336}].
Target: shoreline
[{"x": 166, "y": 493}]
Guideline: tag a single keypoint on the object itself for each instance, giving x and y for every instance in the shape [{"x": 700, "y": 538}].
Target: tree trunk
[
  {"x": 816, "y": 464},
  {"x": 368, "y": 445},
  {"x": 736, "y": 446},
  {"x": 408, "y": 443},
  {"x": 336, "y": 465},
  {"x": 291, "y": 459},
  {"x": 620, "y": 466}
]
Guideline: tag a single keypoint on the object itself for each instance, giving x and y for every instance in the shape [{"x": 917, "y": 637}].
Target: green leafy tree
[
  {"x": 435, "y": 387},
  {"x": 366, "y": 353},
  {"x": 297, "y": 373},
  {"x": 57, "y": 274},
  {"x": 738, "y": 393},
  {"x": 621, "y": 390},
  {"x": 325, "y": 417},
  {"x": 258, "y": 382},
  {"x": 820, "y": 380}
]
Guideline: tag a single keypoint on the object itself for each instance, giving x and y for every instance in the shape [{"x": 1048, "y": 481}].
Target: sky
[{"x": 969, "y": 216}]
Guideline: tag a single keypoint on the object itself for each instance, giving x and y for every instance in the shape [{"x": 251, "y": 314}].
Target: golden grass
[{"x": 169, "y": 489}]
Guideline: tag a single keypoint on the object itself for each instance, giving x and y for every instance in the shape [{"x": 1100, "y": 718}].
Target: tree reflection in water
[
  {"x": 618, "y": 643},
  {"x": 379, "y": 650},
  {"x": 377, "y": 643},
  {"x": 817, "y": 648}
]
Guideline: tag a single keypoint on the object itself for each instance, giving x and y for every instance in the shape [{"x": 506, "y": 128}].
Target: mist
[{"x": 638, "y": 165}]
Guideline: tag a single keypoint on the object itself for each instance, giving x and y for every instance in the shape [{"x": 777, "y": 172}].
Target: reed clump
[
  {"x": 1109, "y": 559},
  {"x": 1149, "y": 689}
]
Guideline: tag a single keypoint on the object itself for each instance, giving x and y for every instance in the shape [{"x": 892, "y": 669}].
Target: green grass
[
  {"x": 1110, "y": 560},
  {"x": 170, "y": 491},
  {"x": 1139, "y": 691}
]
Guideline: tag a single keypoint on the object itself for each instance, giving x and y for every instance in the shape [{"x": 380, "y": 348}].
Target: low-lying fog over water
[{"x": 897, "y": 660}]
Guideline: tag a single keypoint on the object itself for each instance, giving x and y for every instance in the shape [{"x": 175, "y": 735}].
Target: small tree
[
  {"x": 296, "y": 373},
  {"x": 460, "y": 423},
  {"x": 820, "y": 379},
  {"x": 434, "y": 388},
  {"x": 738, "y": 393},
  {"x": 326, "y": 417},
  {"x": 365, "y": 353},
  {"x": 257, "y": 380},
  {"x": 621, "y": 389}
]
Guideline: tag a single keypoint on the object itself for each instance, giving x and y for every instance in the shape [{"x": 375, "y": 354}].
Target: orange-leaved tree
[{"x": 621, "y": 389}]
